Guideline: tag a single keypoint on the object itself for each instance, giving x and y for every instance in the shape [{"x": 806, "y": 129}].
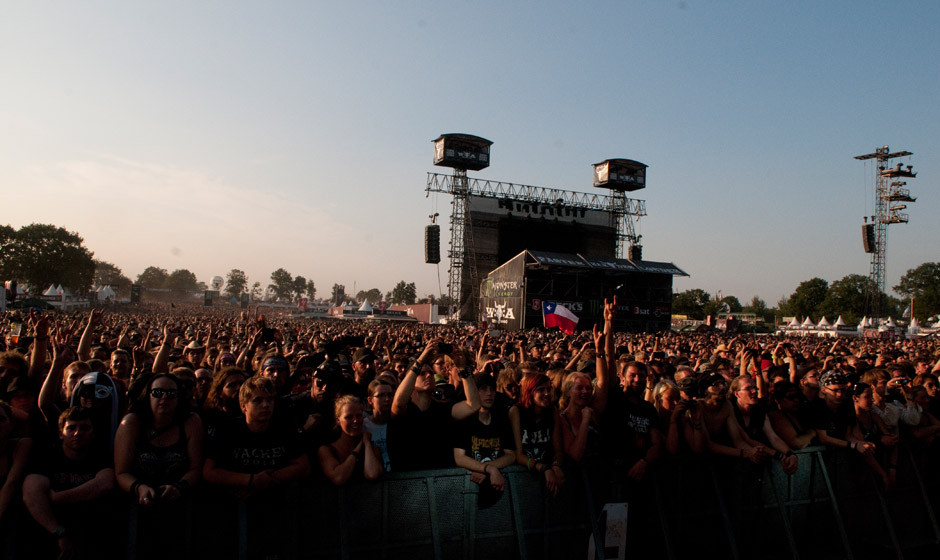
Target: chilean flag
[{"x": 554, "y": 315}]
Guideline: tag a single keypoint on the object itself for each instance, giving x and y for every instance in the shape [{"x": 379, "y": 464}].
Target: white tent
[
  {"x": 914, "y": 327},
  {"x": 50, "y": 291},
  {"x": 793, "y": 324},
  {"x": 106, "y": 292},
  {"x": 839, "y": 322},
  {"x": 890, "y": 323},
  {"x": 807, "y": 323},
  {"x": 365, "y": 307},
  {"x": 823, "y": 323}
]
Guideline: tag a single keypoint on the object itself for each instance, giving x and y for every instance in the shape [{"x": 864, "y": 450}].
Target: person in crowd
[
  {"x": 221, "y": 403},
  {"x": 201, "y": 391},
  {"x": 536, "y": 426},
  {"x": 379, "y": 412},
  {"x": 418, "y": 436},
  {"x": 352, "y": 456},
  {"x": 256, "y": 460},
  {"x": 756, "y": 429},
  {"x": 833, "y": 417},
  {"x": 158, "y": 453},
  {"x": 871, "y": 428},
  {"x": 14, "y": 453},
  {"x": 786, "y": 419},
  {"x": 67, "y": 492},
  {"x": 483, "y": 442},
  {"x": 665, "y": 399}
]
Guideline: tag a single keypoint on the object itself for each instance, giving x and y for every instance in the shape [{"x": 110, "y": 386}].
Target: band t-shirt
[{"x": 484, "y": 442}]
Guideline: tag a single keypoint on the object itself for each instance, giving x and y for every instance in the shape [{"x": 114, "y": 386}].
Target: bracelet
[
  {"x": 135, "y": 486},
  {"x": 530, "y": 464},
  {"x": 556, "y": 464},
  {"x": 600, "y": 354}
]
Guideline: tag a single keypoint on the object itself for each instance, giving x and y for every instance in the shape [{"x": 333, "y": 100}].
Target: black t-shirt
[
  {"x": 422, "y": 439},
  {"x": 536, "y": 435},
  {"x": 484, "y": 442},
  {"x": 236, "y": 448},
  {"x": 836, "y": 423},
  {"x": 628, "y": 426},
  {"x": 65, "y": 473}
]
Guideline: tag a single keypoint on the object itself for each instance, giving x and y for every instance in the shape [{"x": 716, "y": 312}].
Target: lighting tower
[{"x": 890, "y": 196}]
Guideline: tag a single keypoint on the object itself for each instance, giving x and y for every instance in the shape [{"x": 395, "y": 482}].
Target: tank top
[{"x": 162, "y": 465}]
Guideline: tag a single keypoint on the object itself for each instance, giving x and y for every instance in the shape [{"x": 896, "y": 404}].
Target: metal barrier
[{"x": 830, "y": 508}]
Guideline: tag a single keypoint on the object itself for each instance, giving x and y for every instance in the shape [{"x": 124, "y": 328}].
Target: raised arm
[
  {"x": 84, "y": 345},
  {"x": 470, "y": 406}
]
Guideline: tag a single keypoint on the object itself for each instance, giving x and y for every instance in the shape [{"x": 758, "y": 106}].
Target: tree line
[
  {"x": 817, "y": 298},
  {"x": 44, "y": 254}
]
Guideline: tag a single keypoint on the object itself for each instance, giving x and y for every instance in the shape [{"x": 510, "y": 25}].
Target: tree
[
  {"x": 372, "y": 296},
  {"x": 283, "y": 283},
  {"x": 404, "y": 293},
  {"x": 338, "y": 296},
  {"x": 256, "y": 291},
  {"x": 758, "y": 307},
  {"x": 923, "y": 285},
  {"x": 299, "y": 286},
  {"x": 805, "y": 300},
  {"x": 311, "y": 290},
  {"x": 107, "y": 274},
  {"x": 153, "y": 277},
  {"x": 43, "y": 254},
  {"x": 236, "y": 283},
  {"x": 181, "y": 282},
  {"x": 691, "y": 303},
  {"x": 847, "y": 297}
]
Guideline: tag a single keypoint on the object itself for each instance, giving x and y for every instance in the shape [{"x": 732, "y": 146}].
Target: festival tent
[
  {"x": 914, "y": 327},
  {"x": 105, "y": 292},
  {"x": 823, "y": 323},
  {"x": 365, "y": 307},
  {"x": 839, "y": 322},
  {"x": 793, "y": 324},
  {"x": 890, "y": 323},
  {"x": 807, "y": 323},
  {"x": 50, "y": 291}
]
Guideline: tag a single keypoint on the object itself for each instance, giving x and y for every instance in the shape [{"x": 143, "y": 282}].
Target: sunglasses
[{"x": 160, "y": 393}]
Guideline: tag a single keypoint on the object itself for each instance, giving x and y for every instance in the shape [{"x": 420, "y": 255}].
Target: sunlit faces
[
  {"x": 164, "y": 396},
  {"x": 542, "y": 395},
  {"x": 835, "y": 393},
  {"x": 120, "y": 365},
  {"x": 669, "y": 398},
  {"x": 319, "y": 387},
  {"x": 381, "y": 399},
  {"x": 747, "y": 393},
  {"x": 581, "y": 391},
  {"x": 424, "y": 381},
  {"x": 277, "y": 373},
  {"x": 864, "y": 398},
  {"x": 259, "y": 407},
  {"x": 77, "y": 434},
  {"x": 487, "y": 396},
  {"x": 231, "y": 386},
  {"x": 634, "y": 379},
  {"x": 350, "y": 419}
]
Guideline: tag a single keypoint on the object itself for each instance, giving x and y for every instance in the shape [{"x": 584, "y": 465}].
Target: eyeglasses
[{"x": 160, "y": 393}]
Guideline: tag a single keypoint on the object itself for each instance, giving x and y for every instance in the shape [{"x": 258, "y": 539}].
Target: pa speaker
[
  {"x": 636, "y": 252},
  {"x": 868, "y": 238},
  {"x": 432, "y": 244}
]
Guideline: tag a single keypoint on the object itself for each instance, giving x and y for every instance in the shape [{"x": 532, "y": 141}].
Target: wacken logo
[{"x": 500, "y": 314}]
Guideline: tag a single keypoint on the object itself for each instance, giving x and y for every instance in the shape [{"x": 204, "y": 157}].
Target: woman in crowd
[
  {"x": 157, "y": 460},
  {"x": 871, "y": 428},
  {"x": 785, "y": 417},
  {"x": 665, "y": 399},
  {"x": 581, "y": 403},
  {"x": 751, "y": 416},
  {"x": 222, "y": 402},
  {"x": 536, "y": 426},
  {"x": 352, "y": 456}
]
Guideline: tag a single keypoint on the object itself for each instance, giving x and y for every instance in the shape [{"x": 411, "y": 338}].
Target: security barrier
[{"x": 832, "y": 507}]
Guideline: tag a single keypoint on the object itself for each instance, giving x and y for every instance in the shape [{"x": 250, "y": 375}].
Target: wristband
[
  {"x": 135, "y": 486},
  {"x": 600, "y": 354},
  {"x": 530, "y": 464},
  {"x": 789, "y": 453},
  {"x": 778, "y": 456}
]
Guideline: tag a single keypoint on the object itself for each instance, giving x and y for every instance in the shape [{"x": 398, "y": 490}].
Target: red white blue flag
[{"x": 554, "y": 315}]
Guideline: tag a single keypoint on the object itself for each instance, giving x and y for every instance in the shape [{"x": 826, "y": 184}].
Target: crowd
[{"x": 151, "y": 404}]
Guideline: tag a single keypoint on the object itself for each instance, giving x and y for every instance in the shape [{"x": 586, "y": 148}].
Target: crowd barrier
[{"x": 832, "y": 507}]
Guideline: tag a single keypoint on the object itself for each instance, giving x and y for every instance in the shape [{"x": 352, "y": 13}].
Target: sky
[{"x": 261, "y": 135}]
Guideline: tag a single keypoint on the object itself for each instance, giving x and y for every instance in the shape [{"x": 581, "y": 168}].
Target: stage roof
[{"x": 547, "y": 258}]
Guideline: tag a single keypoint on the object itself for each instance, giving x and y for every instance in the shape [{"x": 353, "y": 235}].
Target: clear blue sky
[{"x": 258, "y": 135}]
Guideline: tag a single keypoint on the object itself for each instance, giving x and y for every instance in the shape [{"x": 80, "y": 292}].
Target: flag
[
  {"x": 907, "y": 312},
  {"x": 554, "y": 315}
]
